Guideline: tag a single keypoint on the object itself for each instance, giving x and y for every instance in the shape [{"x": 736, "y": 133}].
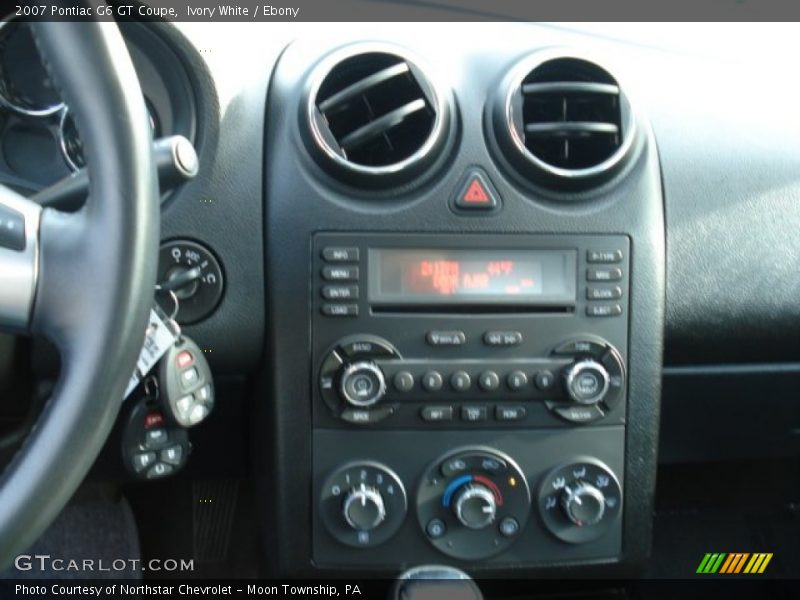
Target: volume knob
[
  {"x": 363, "y": 508},
  {"x": 586, "y": 382},
  {"x": 362, "y": 384}
]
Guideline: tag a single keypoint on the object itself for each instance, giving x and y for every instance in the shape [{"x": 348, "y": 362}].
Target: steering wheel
[{"x": 83, "y": 280}]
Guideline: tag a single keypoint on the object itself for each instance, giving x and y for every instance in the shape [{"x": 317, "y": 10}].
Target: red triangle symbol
[{"x": 476, "y": 193}]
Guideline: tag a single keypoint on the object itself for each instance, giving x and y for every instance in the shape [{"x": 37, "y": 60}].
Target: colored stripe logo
[{"x": 734, "y": 563}]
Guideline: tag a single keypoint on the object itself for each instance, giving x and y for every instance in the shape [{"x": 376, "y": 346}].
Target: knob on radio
[
  {"x": 362, "y": 384},
  {"x": 586, "y": 382}
]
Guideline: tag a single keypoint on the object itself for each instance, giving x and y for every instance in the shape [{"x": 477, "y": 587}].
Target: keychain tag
[{"x": 162, "y": 333}]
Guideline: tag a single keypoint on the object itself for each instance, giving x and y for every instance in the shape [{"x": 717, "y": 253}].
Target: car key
[{"x": 186, "y": 384}]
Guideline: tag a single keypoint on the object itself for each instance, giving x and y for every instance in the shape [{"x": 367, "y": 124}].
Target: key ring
[{"x": 175, "y": 302}]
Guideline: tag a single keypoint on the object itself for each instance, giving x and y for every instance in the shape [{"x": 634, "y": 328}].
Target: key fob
[
  {"x": 186, "y": 387},
  {"x": 152, "y": 448}
]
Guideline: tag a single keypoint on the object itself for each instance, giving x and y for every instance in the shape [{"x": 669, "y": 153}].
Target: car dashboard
[{"x": 473, "y": 284}]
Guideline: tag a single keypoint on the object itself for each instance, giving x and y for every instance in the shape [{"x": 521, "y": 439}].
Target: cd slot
[{"x": 470, "y": 309}]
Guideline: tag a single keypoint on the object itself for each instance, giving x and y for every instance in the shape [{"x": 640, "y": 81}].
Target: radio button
[
  {"x": 437, "y": 413},
  {"x": 339, "y": 254},
  {"x": 340, "y": 292},
  {"x": 359, "y": 416},
  {"x": 446, "y": 338},
  {"x": 369, "y": 346},
  {"x": 340, "y": 310},
  {"x": 510, "y": 413},
  {"x": 603, "y": 310},
  {"x": 544, "y": 380},
  {"x": 603, "y": 293},
  {"x": 595, "y": 274},
  {"x": 332, "y": 273},
  {"x": 502, "y": 338},
  {"x": 403, "y": 381},
  {"x": 432, "y": 381},
  {"x": 473, "y": 414},
  {"x": 489, "y": 381},
  {"x": 604, "y": 256},
  {"x": 460, "y": 381},
  {"x": 516, "y": 380},
  {"x": 579, "y": 414},
  {"x": 580, "y": 347}
]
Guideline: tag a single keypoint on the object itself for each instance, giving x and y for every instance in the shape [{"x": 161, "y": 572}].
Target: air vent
[
  {"x": 375, "y": 116},
  {"x": 568, "y": 121}
]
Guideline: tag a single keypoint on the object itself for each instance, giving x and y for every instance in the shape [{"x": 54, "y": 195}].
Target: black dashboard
[{"x": 475, "y": 288}]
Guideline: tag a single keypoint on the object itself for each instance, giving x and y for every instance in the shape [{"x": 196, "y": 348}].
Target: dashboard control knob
[
  {"x": 583, "y": 503},
  {"x": 362, "y": 384},
  {"x": 586, "y": 382},
  {"x": 363, "y": 508},
  {"x": 475, "y": 506}
]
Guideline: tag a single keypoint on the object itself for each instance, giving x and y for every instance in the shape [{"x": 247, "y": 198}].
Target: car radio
[{"x": 512, "y": 331}]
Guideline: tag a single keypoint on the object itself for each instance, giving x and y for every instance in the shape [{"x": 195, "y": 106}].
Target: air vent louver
[
  {"x": 375, "y": 113},
  {"x": 569, "y": 120}
]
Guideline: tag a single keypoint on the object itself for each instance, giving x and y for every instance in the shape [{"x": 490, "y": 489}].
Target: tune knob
[
  {"x": 363, "y": 508},
  {"x": 362, "y": 384},
  {"x": 586, "y": 382},
  {"x": 475, "y": 506},
  {"x": 583, "y": 503}
]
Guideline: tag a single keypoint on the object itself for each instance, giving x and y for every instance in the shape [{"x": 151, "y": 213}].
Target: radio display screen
[{"x": 399, "y": 276}]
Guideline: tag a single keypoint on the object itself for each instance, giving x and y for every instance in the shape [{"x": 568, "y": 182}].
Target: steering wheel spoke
[{"x": 19, "y": 258}]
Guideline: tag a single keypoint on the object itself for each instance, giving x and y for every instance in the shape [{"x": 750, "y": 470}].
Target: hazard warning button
[{"x": 476, "y": 193}]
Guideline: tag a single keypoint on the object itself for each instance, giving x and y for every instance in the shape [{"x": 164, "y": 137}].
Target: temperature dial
[
  {"x": 475, "y": 506},
  {"x": 362, "y": 504},
  {"x": 193, "y": 273}
]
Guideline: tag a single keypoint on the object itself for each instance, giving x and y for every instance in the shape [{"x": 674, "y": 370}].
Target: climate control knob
[
  {"x": 475, "y": 506},
  {"x": 362, "y": 384},
  {"x": 586, "y": 382},
  {"x": 583, "y": 503},
  {"x": 363, "y": 508}
]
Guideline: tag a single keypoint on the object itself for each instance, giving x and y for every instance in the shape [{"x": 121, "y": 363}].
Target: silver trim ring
[
  {"x": 363, "y": 365},
  {"x": 528, "y": 65},
  {"x": 583, "y": 365},
  {"x": 322, "y": 70}
]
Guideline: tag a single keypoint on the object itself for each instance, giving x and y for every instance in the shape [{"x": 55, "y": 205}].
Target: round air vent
[
  {"x": 564, "y": 122},
  {"x": 374, "y": 117}
]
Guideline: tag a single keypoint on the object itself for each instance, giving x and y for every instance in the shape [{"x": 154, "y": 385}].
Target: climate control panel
[{"x": 504, "y": 500}]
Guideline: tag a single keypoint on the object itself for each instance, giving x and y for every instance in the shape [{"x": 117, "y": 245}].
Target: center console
[
  {"x": 464, "y": 341},
  {"x": 470, "y": 397}
]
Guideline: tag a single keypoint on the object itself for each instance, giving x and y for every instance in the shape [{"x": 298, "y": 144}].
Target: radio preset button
[
  {"x": 432, "y": 381},
  {"x": 339, "y": 254},
  {"x": 403, "y": 381},
  {"x": 473, "y": 414},
  {"x": 437, "y": 413},
  {"x": 510, "y": 413},
  {"x": 544, "y": 380},
  {"x": 489, "y": 381},
  {"x": 502, "y": 338},
  {"x": 340, "y": 292},
  {"x": 604, "y": 256},
  {"x": 331, "y": 273},
  {"x": 603, "y": 293},
  {"x": 597, "y": 274},
  {"x": 340, "y": 310},
  {"x": 460, "y": 381},
  {"x": 603, "y": 310},
  {"x": 446, "y": 338},
  {"x": 516, "y": 380}
]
